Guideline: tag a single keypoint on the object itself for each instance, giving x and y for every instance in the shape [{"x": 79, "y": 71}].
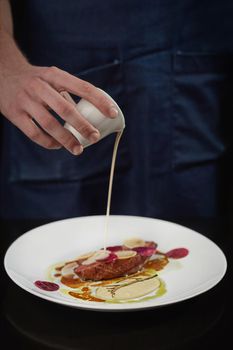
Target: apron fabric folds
[{"x": 169, "y": 67}]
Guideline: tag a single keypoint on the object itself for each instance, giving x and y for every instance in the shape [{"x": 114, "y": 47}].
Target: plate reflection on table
[{"x": 58, "y": 327}]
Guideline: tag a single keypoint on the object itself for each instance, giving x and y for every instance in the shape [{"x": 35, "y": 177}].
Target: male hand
[{"x": 30, "y": 92}]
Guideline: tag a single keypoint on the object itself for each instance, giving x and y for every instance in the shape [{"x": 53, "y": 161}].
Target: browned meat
[
  {"x": 102, "y": 270},
  {"x": 107, "y": 270}
]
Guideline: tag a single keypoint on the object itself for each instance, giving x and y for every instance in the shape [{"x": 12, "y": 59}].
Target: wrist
[{"x": 11, "y": 60}]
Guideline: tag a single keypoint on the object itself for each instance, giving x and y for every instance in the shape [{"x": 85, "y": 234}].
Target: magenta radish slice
[
  {"x": 145, "y": 251},
  {"x": 48, "y": 286},
  {"x": 115, "y": 248},
  {"x": 177, "y": 253}
]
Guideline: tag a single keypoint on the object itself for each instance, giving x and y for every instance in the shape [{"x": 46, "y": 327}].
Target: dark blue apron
[{"x": 168, "y": 66}]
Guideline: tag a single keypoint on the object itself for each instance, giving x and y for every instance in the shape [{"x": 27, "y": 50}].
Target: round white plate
[{"x": 29, "y": 257}]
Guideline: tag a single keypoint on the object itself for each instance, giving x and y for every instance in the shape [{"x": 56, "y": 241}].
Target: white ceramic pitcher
[{"x": 104, "y": 124}]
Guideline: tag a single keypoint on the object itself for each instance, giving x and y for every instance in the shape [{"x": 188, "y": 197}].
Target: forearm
[
  {"x": 11, "y": 58},
  {"x": 6, "y": 22}
]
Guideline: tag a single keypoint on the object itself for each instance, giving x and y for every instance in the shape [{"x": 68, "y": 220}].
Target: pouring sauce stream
[{"x": 114, "y": 154}]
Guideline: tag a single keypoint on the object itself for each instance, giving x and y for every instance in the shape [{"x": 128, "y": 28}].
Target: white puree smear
[{"x": 129, "y": 290}]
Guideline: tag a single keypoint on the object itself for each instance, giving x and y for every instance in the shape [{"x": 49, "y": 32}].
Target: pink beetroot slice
[
  {"x": 48, "y": 286},
  {"x": 145, "y": 251},
  {"x": 177, "y": 253},
  {"x": 115, "y": 248}
]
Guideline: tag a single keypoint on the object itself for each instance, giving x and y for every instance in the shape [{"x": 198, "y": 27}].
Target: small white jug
[{"x": 104, "y": 124}]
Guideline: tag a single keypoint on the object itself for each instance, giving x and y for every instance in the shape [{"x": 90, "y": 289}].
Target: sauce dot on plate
[
  {"x": 177, "y": 253},
  {"x": 48, "y": 286}
]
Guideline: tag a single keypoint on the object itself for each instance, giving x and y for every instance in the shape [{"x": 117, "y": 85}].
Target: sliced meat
[
  {"x": 102, "y": 270},
  {"x": 117, "y": 268}
]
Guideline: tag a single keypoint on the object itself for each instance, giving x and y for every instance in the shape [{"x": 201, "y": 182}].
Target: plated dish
[
  {"x": 149, "y": 264},
  {"x": 118, "y": 274}
]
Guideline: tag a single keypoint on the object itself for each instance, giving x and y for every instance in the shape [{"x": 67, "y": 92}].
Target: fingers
[
  {"x": 42, "y": 91},
  {"x": 64, "y": 81},
  {"x": 54, "y": 128},
  {"x": 67, "y": 111},
  {"x": 31, "y": 130},
  {"x": 67, "y": 97}
]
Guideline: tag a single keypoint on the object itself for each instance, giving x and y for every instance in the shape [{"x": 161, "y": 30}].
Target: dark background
[{"x": 192, "y": 52}]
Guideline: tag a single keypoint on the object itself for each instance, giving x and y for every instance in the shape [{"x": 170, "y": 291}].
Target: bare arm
[
  {"x": 28, "y": 91},
  {"x": 5, "y": 16},
  {"x": 10, "y": 57}
]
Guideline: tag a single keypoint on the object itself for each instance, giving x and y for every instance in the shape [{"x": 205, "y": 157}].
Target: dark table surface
[{"x": 203, "y": 322}]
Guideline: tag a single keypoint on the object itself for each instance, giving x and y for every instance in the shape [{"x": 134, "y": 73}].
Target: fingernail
[
  {"x": 57, "y": 147},
  {"x": 94, "y": 137},
  {"x": 77, "y": 150},
  {"x": 113, "y": 111}
]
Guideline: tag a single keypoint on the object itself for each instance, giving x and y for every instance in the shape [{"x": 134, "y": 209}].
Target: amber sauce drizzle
[
  {"x": 85, "y": 296},
  {"x": 157, "y": 264},
  {"x": 73, "y": 282}
]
